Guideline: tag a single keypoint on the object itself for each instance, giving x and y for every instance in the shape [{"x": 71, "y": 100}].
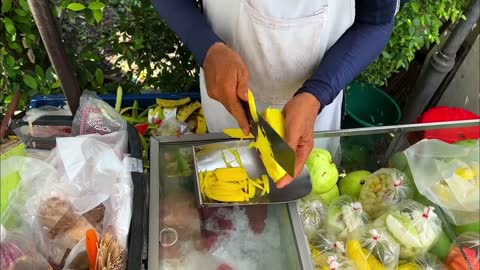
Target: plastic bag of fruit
[
  {"x": 465, "y": 253},
  {"x": 413, "y": 226},
  {"x": 345, "y": 215},
  {"x": 324, "y": 240},
  {"x": 425, "y": 262},
  {"x": 371, "y": 247},
  {"x": 383, "y": 189},
  {"x": 448, "y": 175},
  {"x": 332, "y": 261},
  {"x": 17, "y": 251},
  {"x": 313, "y": 212}
]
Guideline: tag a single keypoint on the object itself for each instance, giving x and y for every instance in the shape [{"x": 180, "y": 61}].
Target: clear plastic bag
[
  {"x": 172, "y": 127},
  {"x": 313, "y": 212},
  {"x": 83, "y": 185},
  {"x": 468, "y": 247},
  {"x": 371, "y": 247},
  {"x": 17, "y": 251},
  {"x": 325, "y": 241},
  {"x": 345, "y": 215},
  {"x": 414, "y": 226},
  {"x": 332, "y": 261},
  {"x": 448, "y": 175},
  {"x": 424, "y": 262},
  {"x": 383, "y": 189},
  {"x": 95, "y": 116}
]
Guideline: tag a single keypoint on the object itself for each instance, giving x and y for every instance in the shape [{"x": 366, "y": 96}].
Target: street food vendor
[{"x": 295, "y": 55}]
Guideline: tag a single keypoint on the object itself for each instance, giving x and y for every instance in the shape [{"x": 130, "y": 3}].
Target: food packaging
[
  {"x": 371, "y": 247},
  {"x": 332, "y": 261},
  {"x": 469, "y": 247},
  {"x": 383, "y": 189},
  {"x": 327, "y": 241},
  {"x": 345, "y": 215},
  {"x": 414, "y": 226},
  {"x": 424, "y": 262},
  {"x": 448, "y": 175},
  {"x": 313, "y": 212}
]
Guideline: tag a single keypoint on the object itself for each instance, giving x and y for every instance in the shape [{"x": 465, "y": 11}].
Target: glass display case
[{"x": 184, "y": 236}]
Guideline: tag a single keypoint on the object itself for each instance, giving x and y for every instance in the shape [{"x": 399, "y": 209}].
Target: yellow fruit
[
  {"x": 355, "y": 253},
  {"x": 236, "y": 133},
  {"x": 170, "y": 103},
  {"x": 466, "y": 173},
  {"x": 201, "y": 125},
  {"x": 374, "y": 263},
  {"x": 186, "y": 111},
  {"x": 274, "y": 170},
  {"x": 275, "y": 118},
  {"x": 231, "y": 174},
  {"x": 409, "y": 266},
  {"x": 252, "y": 106}
]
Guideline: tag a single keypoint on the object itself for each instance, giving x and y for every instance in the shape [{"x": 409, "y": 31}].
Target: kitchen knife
[{"x": 283, "y": 154}]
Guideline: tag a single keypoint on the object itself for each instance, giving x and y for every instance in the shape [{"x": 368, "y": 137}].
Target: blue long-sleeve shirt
[{"x": 358, "y": 47}]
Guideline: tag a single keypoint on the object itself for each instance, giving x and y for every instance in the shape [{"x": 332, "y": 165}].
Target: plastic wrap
[
  {"x": 345, "y": 215},
  {"x": 83, "y": 185},
  {"x": 468, "y": 246},
  {"x": 414, "y": 226},
  {"x": 383, "y": 189},
  {"x": 96, "y": 116},
  {"x": 172, "y": 127},
  {"x": 332, "y": 261},
  {"x": 325, "y": 241},
  {"x": 313, "y": 212},
  {"x": 448, "y": 175},
  {"x": 371, "y": 247},
  {"x": 424, "y": 262},
  {"x": 17, "y": 251}
]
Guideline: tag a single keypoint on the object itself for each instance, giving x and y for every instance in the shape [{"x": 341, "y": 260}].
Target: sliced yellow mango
[
  {"x": 236, "y": 133},
  {"x": 275, "y": 118},
  {"x": 355, "y": 253},
  {"x": 252, "y": 106},
  {"x": 374, "y": 263},
  {"x": 231, "y": 174}
]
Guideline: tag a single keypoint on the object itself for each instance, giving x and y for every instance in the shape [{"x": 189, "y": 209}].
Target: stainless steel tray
[{"x": 208, "y": 157}]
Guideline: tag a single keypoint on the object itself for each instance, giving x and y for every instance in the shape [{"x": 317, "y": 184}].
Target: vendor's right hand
[{"x": 226, "y": 78}]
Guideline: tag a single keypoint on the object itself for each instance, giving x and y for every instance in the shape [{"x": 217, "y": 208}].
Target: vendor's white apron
[{"x": 281, "y": 42}]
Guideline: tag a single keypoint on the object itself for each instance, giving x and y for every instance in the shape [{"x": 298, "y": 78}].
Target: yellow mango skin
[{"x": 355, "y": 253}]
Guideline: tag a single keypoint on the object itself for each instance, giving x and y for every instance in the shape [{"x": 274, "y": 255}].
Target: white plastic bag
[
  {"x": 313, "y": 212},
  {"x": 448, "y": 175},
  {"x": 424, "y": 262},
  {"x": 466, "y": 253}
]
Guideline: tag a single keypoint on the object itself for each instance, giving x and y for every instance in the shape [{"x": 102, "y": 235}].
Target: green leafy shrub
[{"x": 417, "y": 26}]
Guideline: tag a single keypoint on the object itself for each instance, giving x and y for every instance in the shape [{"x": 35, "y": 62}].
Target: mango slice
[
  {"x": 236, "y": 133},
  {"x": 355, "y": 253}
]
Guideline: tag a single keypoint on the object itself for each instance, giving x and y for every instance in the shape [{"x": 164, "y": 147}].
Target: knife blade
[{"x": 283, "y": 154}]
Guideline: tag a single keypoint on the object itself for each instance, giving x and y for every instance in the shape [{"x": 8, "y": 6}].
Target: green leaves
[
  {"x": 9, "y": 26},
  {"x": 30, "y": 81},
  {"x": 76, "y": 6},
  {"x": 417, "y": 27},
  {"x": 99, "y": 76},
  {"x": 96, "y": 5},
  {"x": 6, "y": 6}
]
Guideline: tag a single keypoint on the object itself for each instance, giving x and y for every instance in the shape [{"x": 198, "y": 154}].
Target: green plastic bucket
[{"x": 368, "y": 106}]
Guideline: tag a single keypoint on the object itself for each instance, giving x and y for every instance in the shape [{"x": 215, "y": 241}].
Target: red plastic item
[
  {"x": 449, "y": 135},
  {"x": 142, "y": 128}
]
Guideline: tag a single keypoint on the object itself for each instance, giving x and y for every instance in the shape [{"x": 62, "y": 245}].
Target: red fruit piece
[
  {"x": 257, "y": 214},
  {"x": 142, "y": 128}
]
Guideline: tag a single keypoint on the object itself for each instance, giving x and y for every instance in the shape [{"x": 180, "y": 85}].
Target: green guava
[
  {"x": 322, "y": 169},
  {"x": 352, "y": 183}
]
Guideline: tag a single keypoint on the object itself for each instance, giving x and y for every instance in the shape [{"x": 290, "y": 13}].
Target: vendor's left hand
[{"x": 300, "y": 114}]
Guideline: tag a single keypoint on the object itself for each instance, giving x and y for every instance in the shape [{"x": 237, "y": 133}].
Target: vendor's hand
[
  {"x": 300, "y": 114},
  {"x": 226, "y": 78}
]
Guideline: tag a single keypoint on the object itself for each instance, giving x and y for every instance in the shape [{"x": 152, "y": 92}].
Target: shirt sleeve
[
  {"x": 185, "y": 18},
  {"x": 358, "y": 47}
]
